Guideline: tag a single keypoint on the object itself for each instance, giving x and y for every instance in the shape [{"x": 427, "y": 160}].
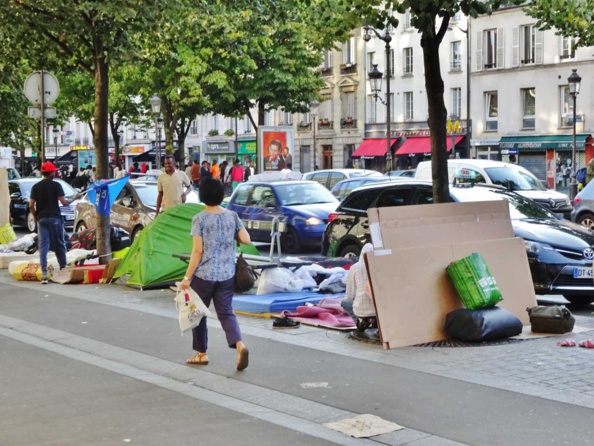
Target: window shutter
[
  {"x": 515, "y": 46},
  {"x": 345, "y": 52},
  {"x": 352, "y": 51},
  {"x": 500, "y": 48},
  {"x": 538, "y": 46},
  {"x": 479, "y": 51}
]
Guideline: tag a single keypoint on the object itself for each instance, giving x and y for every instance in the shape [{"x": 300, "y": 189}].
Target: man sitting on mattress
[{"x": 358, "y": 303}]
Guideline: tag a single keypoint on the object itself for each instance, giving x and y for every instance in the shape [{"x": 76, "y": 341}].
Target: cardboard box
[
  {"x": 78, "y": 274},
  {"x": 414, "y": 245},
  {"x": 110, "y": 270}
]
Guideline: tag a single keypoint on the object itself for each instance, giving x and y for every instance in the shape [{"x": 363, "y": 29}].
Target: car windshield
[
  {"x": 513, "y": 179},
  {"x": 300, "y": 193},
  {"x": 26, "y": 187},
  {"x": 147, "y": 194},
  {"x": 519, "y": 207}
]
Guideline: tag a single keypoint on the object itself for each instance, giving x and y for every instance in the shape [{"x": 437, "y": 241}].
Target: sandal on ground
[
  {"x": 199, "y": 359},
  {"x": 588, "y": 343},
  {"x": 567, "y": 343},
  {"x": 243, "y": 360}
]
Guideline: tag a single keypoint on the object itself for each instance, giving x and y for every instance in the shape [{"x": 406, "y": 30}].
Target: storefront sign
[
  {"x": 133, "y": 150},
  {"x": 409, "y": 133},
  {"x": 80, "y": 148},
  {"x": 52, "y": 152},
  {"x": 219, "y": 147},
  {"x": 247, "y": 147}
]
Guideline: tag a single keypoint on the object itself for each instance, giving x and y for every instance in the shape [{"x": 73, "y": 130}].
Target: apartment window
[
  {"x": 372, "y": 109},
  {"x": 490, "y": 48},
  {"x": 408, "y": 105},
  {"x": 456, "y": 55},
  {"x": 566, "y": 107},
  {"x": 392, "y": 107},
  {"x": 567, "y": 47},
  {"x": 348, "y": 52},
  {"x": 491, "y": 111},
  {"x": 327, "y": 62},
  {"x": 348, "y": 106},
  {"x": 371, "y": 59},
  {"x": 407, "y": 57},
  {"x": 529, "y": 108},
  {"x": 247, "y": 124},
  {"x": 456, "y": 94},
  {"x": 407, "y": 24},
  {"x": 194, "y": 128},
  {"x": 527, "y": 44},
  {"x": 392, "y": 65},
  {"x": 215, "y": 122}
]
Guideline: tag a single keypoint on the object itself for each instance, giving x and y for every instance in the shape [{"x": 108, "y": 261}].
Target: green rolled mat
[{"x": 474, "y": 282}]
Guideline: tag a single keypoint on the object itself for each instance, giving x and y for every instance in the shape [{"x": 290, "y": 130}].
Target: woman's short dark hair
[{"x": 211, "y": 192}]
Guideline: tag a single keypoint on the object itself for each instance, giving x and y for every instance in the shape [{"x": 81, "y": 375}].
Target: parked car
[
  {"x": 133, "y": 209},
  {"x": 329, "y": 177},
  {"x": 344, "y": 187},
  {"x": 409, "y": 173},
  {"x": 560, "y": 252},
  {"x": 20, "y": 193},
  {"x": 583, "y": 206},
  {"x": 509, "y": 175},
  {"x": 302, "y": 206}
]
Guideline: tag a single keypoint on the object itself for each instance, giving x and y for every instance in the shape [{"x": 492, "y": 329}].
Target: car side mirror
[{"x": 15, "y": 195}]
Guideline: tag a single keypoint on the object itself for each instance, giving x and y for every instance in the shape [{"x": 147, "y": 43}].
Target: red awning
[
  {"x": 371, "y": 148},
  {"x": 422, "y": 144}
]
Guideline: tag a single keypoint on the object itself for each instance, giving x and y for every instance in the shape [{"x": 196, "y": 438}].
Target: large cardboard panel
[
  {"x": 413, "y": 293},
  {"x": 431, "y": 225}
]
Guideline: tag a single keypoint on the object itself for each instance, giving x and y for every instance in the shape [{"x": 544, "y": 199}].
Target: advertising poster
[{"x": 275, "y": 147}]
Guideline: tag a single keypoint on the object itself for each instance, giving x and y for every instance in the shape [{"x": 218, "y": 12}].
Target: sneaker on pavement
[
  {"x": 44, "y": 280},
  {"x": 285, "y": 322}
]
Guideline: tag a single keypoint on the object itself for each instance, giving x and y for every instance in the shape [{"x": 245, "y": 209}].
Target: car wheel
[
  {"x": 290, "y": 241},
  {"x": 350, "y": 251},
  {"x": 578, "y": 300},
  {"x": 135, "y": 233},
  {"x": 587, "y": 220},
  {"x": 31, "y": 223},
  {"x": 81, "y": 227}
]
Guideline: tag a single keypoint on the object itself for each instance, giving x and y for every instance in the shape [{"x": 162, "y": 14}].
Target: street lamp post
[
  {"x": 313, "y": 107},
  {"x": 573, "y": 80},
  {"x": 156, "y": 109},
  {"x": 375, "y": 78}
]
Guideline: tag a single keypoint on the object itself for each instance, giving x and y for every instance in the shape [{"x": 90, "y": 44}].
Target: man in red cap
[{"x": 43, "y": 204}]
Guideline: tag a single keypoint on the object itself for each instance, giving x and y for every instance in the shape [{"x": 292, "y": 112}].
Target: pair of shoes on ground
[
  {"x": 243, "y": 360},
  {"x": 588, "y": 343},
  {"x": 285, "y": 322}
]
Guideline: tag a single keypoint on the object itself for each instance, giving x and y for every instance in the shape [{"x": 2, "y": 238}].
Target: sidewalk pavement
[{"x": 536, "y": 367}]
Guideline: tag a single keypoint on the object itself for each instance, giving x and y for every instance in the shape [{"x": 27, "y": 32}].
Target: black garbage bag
[{"x": 487, "y": 324}]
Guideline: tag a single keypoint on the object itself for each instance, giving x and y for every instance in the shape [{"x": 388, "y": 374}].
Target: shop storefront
[
  {"x": 246, "y": 151},
  {"x": 132, "y": 151},
  {"x": 371, "y": 153},
  {"x": 488, "y": 149},
  {"x": 549, "y": 157},
  {"x": 416, "y": 147},
  {"x": 219, "y": 151}
]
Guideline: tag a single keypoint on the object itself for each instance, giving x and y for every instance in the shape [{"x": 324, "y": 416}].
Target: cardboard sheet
[{"x": 410, "y": 285}]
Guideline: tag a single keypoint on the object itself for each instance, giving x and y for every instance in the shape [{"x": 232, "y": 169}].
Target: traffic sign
[
  {"x": 453, "y": 127},
  {"x": 32, "y": 88},
  {"x": 35, "y": 112}
]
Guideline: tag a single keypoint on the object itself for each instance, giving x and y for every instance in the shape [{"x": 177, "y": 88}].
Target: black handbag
[
  {"x": 551, "y": 319},
  {"x": 245, "y": 276}
]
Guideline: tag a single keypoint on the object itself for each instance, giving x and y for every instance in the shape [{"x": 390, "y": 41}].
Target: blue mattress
[{"x": 275, "y": 302}]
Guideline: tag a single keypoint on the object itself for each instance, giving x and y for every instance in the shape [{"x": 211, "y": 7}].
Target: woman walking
[{"x": 211, "y": 271}]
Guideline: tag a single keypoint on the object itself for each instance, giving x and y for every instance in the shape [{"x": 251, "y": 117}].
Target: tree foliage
[{"x": 571, "y": 18}]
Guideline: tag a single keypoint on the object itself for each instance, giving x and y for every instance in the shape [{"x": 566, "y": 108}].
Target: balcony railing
[
  {"x": 304, "y": 126},
  {"x": 348, "y": 123},
  {"x": 326, "y": 71},
  {"x": 348, "y": 68},
  {"x": 325, "y": 125}
]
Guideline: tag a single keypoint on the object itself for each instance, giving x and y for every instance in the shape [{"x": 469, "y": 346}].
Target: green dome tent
[{"x": 149, "y": 262}]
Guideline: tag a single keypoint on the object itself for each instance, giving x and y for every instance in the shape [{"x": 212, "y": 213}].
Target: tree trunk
[
  {"x": 101, "y": 152},
  {"x": 437, "y": 118}
]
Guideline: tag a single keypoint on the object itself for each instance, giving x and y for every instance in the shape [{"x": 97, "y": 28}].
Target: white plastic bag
[
  {"x": 190, "y": 307},
  {"x": 277, "y": 280}
]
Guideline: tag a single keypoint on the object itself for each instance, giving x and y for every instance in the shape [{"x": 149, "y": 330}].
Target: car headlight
[
  {"x": 312, "y": 221},
  {"x": 567, "y": 201},
  {"x": 535, "y": 247}
]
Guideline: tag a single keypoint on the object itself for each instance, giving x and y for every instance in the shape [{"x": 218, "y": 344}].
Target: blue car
[{"x": 303, "y": 206}]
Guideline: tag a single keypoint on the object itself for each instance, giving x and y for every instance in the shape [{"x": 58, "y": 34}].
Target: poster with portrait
[{"x": 275, "y": 147}]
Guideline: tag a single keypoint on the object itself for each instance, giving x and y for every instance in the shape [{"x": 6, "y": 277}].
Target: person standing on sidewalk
[
  {"x": 237, "y": 174},
  {"x": 43, "y": 204},
  {"x": 211, "y": 270},
  {"x": 170, "y": 186}
]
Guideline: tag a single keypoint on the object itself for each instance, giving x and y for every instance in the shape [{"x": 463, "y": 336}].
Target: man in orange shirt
[
  {"x": 195, "y": 172},
  {"x": 215, "y": 170}
]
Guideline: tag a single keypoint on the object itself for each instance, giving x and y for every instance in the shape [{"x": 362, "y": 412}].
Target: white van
[{"x": 511, "y": 176}]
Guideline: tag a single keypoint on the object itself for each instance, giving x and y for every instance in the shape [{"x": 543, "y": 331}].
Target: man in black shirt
[{"x": 43, "y": 204}]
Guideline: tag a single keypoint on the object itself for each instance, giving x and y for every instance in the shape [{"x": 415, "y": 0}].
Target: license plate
[
  {"x": 68, "y": 217},
  {"x": 582, "y": 272}
]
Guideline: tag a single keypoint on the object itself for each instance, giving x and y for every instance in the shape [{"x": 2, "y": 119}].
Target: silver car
[{"x": 583, "y": 207}]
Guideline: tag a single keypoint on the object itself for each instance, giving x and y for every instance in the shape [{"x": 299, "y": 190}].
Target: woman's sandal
[
  {"x": 243, "y": 358},
  {"x": 588, "y": 343},
  {"x": 567, "y": 343},
  {"x": 199, "y": 359}
]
